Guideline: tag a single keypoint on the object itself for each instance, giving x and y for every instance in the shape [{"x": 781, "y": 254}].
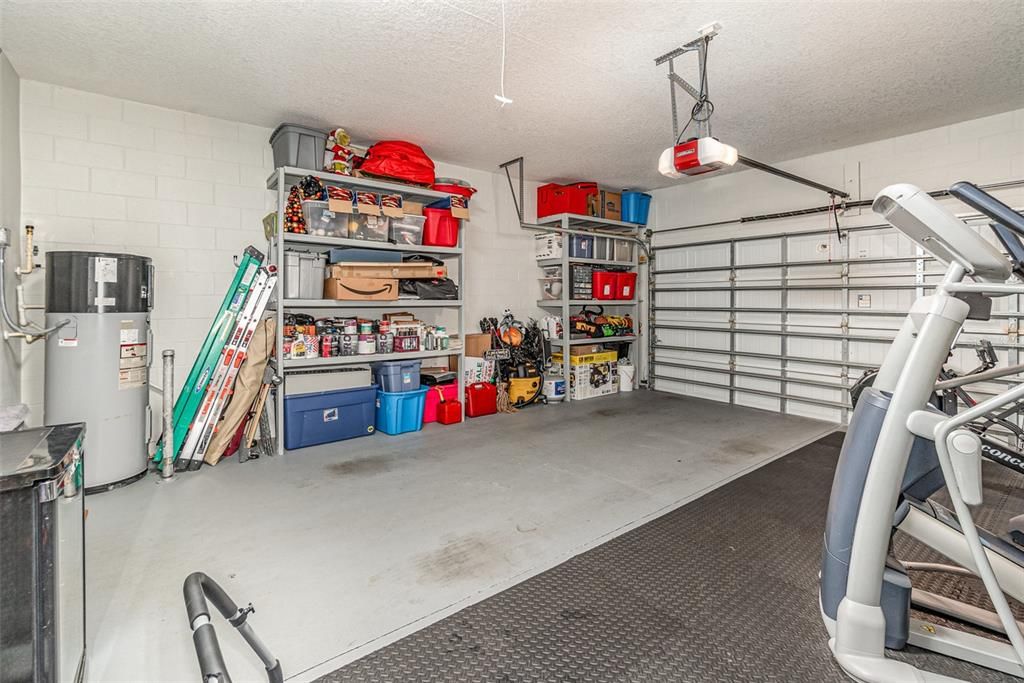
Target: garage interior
[{"x": 505, "y": 341}]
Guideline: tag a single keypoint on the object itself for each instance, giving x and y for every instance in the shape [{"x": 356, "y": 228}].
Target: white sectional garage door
[{"x": 787, "y": 322}]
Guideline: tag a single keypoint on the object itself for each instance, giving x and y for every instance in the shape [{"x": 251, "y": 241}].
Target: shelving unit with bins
[
  {"x": 598, "y": 227},
  {"x": 281, "y": 180}
]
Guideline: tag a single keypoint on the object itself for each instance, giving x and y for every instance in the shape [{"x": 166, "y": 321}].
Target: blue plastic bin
[
  {"x": 326, "y": 416},
  {"x": 581, "y": 246},
  {"x": 635, "y": 206},
  {"x": 400, "y": 412}
]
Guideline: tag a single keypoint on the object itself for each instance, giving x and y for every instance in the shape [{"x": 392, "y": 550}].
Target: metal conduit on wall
[{"x": 796, "y": 335}]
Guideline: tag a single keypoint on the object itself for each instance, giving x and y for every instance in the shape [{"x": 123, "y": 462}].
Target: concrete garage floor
[{"x": 346, "y": 547}]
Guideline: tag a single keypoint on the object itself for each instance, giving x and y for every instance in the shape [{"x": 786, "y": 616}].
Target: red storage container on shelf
[
  {"x": 573, "y": 198},
  {"x": 481, "y": 399},
  {"x": 605, "y": 284},
  {"x": 625, "y": 285},
  {"x": 441, "y": 229},
  {"x": 435, "y": 397}
]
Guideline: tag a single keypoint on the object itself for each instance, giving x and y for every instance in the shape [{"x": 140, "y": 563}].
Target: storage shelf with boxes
[
  {"x": 363, "y": 251},
  {"x": 590, "y": 261}
]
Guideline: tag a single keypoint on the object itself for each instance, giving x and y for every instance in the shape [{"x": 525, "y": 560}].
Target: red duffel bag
[{"x": 399, "y": 160}]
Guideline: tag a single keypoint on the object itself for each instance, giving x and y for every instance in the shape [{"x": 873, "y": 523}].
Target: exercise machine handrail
[{"x": 198, "y": 587}]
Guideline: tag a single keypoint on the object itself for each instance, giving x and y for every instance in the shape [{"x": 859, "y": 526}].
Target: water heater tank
[{"x": 97, "y": 366}]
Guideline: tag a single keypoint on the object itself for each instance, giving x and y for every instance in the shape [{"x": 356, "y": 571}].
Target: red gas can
[
  {"x": 481, "y": 399},
  {"x": 436, "y": 397},
  {"x": 449, "y": 412},
  {"x": 605, "y": 284},
  {"x": 441, "y": 229},
  {"x": 625, "y": 286}
]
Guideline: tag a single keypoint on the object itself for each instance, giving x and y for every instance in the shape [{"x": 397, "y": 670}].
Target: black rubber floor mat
[{"x": 722, "y": 589}]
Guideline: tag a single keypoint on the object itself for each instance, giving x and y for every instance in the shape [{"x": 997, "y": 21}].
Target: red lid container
[
  {"x": 605, "y": 284},
  {"x": 574, "y": 198},
  {"x": 441, "y": 229},
  {"x": 625, "y": 285}
]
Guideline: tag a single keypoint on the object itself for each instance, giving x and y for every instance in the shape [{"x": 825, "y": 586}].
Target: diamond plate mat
[{"x": 722, "y": 589}]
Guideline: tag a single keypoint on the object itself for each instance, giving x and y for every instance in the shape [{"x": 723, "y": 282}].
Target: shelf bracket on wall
[{"x": 519, "y": 203}]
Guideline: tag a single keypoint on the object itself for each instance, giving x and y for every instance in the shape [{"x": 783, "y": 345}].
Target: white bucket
[
  {"x": 554, "y": 389},
  {"x": 626, "y": 373}
]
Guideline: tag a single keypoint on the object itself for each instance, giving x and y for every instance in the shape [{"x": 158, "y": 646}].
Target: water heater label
[
  {"x": 67, "y": 342},
  {"x": 106, "y": 269},
  {"x": 133, "y": 370},
  {"x": 130, "y": 335}
]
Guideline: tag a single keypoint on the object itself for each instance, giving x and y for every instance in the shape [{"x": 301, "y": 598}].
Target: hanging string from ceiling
[{"x": 501, "y": 98}]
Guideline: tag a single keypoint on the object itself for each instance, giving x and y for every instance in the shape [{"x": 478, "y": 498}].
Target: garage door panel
[
  {"x": 758, "y": 401},
  {"x": 759, "y": 251},
  {"x": 759, "y": 343}
]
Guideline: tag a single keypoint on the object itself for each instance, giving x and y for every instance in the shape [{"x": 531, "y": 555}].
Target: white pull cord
[{"x": 501, "y": 98}]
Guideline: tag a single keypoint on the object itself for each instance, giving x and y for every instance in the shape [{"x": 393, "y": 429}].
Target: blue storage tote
[
  {"x": 635, "y": 206},
  {"x": 396, "y": 375},
  {"x": 400, "y": 412},
  {"x": 326, "y": 416}
]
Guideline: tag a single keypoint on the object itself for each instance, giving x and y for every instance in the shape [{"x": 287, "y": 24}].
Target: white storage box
[
  {"x": 621, "y": 250},
  {"x": 312, "y": 381},
  {"x": 304, "y": 275},
  {"x": 547, "y": 245},
  {"x": 478, "y": 370}
]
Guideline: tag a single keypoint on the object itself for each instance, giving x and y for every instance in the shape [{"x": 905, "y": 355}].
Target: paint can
[
  {"x": 385, "y": 343},
  {"x": 349, "y": 327},
  {"x": 365, "y": 327},
  {"x": 366, "y": 344},
  {"x": 348, "y": 345}
]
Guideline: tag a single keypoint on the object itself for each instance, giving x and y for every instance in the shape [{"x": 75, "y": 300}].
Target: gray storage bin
[
  {"x": 397, "y": 375},
  {"x": 298, "y": 146},
  {"x": 603, "y": 249},
  {"x": 304, "y": 275}
]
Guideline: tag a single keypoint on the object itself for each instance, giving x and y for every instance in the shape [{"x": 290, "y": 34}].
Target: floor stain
[
  {"x": 360, "y": 467},
  {"x": 461, "y": 558},
  {"x": 747, "y": 446}
]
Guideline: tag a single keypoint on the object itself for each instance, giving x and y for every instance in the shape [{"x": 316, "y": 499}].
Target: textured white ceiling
[{"x": 787, "y": 78}]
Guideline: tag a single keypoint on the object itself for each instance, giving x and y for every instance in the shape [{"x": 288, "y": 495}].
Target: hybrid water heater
[{"x": 97, "y": 365}]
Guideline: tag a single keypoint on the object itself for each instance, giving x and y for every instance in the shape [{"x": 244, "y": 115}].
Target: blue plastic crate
[
  {"x": 400, "y": 412},
  {"x": 326, "y": 416}
]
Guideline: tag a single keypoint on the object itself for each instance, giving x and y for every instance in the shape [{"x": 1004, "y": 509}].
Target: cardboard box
[
  {"x": 587, "y": 358},
  {"x": 611, "y": 204},
  {"x": 585, "y": 349},
  {"x": 412, "y": 208},
  {"x": 404, "y": 271},
  {"x": 476, "y": 344},
  {"x": 361, "y": 289},
  {"x": 589, "y": 380}
]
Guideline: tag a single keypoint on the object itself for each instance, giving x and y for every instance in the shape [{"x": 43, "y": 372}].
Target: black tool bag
[{"x": 442, "y": 288}]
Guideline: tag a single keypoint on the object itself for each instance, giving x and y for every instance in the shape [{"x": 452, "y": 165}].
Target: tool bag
[
  {"x": 399, "y": 160},
  {"x": 439, "y": 288},
  {"x": 594, "y": 324}
]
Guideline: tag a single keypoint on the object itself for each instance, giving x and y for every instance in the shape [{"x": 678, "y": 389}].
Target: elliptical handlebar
[{"x": 976, "y": 198}]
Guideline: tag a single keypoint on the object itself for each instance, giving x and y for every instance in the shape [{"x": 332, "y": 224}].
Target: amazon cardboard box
[{"x": 361, "y": 289}]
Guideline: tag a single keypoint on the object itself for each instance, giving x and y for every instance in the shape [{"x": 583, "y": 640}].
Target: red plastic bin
[
  {"x": 441, "y": 229},
  {"x": 574, "y": 198},
  {"x": 450, "y": 392},
  {"x": 625, "y": 285},
  {"x": 481, "y": 399},
  {"x": 605, "y": 284}
]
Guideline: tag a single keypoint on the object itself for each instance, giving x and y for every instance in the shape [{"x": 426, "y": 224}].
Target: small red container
[
  {"x": 574, "y": 198},
  {"x": 436, "y": 397},
  {"x": 449, "y": 412},
  {"x": 605, "y": 284},
  {"x": 625, "y": 285},
  {"x": 441, "y": 229},
  {"x": 481, "y": 399}
]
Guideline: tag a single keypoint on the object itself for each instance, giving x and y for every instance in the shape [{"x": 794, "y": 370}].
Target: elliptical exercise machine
[{"x": 899, "y": 451}]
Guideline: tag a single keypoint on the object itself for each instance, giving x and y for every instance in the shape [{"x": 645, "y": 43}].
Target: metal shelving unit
[
  {"x": 281, "y": 180},
  {"x": 596, "y": 227}
]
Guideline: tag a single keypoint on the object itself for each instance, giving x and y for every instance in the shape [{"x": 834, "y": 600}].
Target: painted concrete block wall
[
  {"x": 10, "y": 208},
  {"x": 984, "y": 150},
  {"x": 101, "y": 173}
]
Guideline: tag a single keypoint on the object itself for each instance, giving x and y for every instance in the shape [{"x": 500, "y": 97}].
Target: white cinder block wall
[
  {"x": 101, "y": 173},
  {"x": 984, "y": 150},
  {"x": 10, "y": 207}
]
